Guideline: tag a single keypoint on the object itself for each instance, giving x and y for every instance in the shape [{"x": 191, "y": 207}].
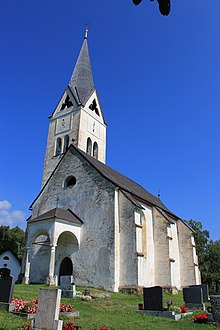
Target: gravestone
[
  {"x": 193, "y": 298},
  {"x": 215, "y": 305},
  {"x": 153, "y": 303},
  {"x": 6, "y": 290},
  {"x": 5, "y": 272},
  {"x": 153, "y": 298},
  {"x": 67, "y": 286},
  {"x": 47, "y": 316},
  {"x": 205, "y": 290}
]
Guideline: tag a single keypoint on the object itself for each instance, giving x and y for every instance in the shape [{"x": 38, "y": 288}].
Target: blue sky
[{"x": 158, "y": 81}]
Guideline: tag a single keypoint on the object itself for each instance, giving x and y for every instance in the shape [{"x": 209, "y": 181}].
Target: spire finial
[{"x": 86, "y": 30}]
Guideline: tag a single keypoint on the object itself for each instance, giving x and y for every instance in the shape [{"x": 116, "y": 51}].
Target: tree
[
  {"x": 213, "y": 265},
  {"x": 13, "y": 239},
  {"x": 202, "y": 241},
  {"x": 164, "y": 6}
]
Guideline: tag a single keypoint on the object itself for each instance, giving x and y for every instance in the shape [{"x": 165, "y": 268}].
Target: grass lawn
[{"x": 118, "y": 312}]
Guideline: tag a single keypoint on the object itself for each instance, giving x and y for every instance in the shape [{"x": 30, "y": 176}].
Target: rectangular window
[
  {"x": 137, "y": 218},
  {"x": 139, "y": 239}
]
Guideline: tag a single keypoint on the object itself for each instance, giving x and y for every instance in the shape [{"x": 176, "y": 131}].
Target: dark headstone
[
  {"x": 205, "y": 290},
  {"x": 6, "y": 289},
  {"x": 4, "y": 272},
  {"x": 215, "y": 304},
  {"x": 153, "y": 298},
  {"x": 192, "y": 295}
]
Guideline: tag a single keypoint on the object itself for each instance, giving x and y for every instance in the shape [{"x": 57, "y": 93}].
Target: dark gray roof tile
[{"x": 58, "y": 213}]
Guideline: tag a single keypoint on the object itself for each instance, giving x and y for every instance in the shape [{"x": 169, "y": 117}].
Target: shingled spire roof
[{"x": 81, "y": 82}]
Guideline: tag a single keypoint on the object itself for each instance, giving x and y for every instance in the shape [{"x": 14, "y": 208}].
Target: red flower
[
  {"x": 201, "y": 318},
  {"x": 183, "y": 309}
]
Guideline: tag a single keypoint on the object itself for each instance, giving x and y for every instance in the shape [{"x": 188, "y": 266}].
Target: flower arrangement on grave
[
  {"x": 201, "y": 318},
  {"x": 169, "y": 304},
  {"x": 30, "y": 306},
  {"x": 66, "y": 308},
  {"x": 183, "y": 309},
  {"x": 68, "y": 326},
  {"x": 25, "y": 327}
]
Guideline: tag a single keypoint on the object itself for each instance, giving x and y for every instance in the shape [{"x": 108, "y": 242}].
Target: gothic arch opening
[
  {"x": 66, "y": 143},
  {"x": 67, "y": 246},
  {"x": 95, "y": 150},
  {"x": 58, "y": 146},
  {"x": 89, "y": 147}
]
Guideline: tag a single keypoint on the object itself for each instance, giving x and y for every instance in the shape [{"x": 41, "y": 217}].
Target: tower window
[
  {"x": 66, "y": 143},
  {"x": 70, "y": 181},
  {"x": 67, "y": 103},
  {"x": 95, "y": 150},
  {"x": 58, "y": 146},
  {"x": 6, "y": 258},
  {"x": 93, "y": 107},
  {"x": 89, "y": 147}
]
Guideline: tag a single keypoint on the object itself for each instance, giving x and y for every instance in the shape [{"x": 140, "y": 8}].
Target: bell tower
[{"x": 77, "y": 118}]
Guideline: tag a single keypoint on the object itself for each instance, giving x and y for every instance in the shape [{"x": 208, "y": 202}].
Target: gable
[
  {"x": 67, "y": 103},
  {"x": 93, "y": 108},
  {"x": 89, "y": 191}
]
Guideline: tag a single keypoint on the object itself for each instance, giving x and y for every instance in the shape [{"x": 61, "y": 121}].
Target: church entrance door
[{"x": 66, "y": 267}]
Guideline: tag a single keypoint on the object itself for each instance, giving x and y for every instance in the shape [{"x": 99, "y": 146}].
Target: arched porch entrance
[{"x": 66, "y": 267}]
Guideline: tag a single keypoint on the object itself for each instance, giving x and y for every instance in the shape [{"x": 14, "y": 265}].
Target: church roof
[
  {"x": 81, "y": 82},
  {"x": 123, "y": 181},
  {"x": 59, "y": 213}
]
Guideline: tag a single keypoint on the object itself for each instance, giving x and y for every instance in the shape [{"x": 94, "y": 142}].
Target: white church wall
[
  {"x": 174, "y": 255},
  {"x": 92, "y": 199},
  {"x": 54, "y": 133},
  {"x": 148, "y": 245},
  {"x": 8, "y": 260},
  {"x": 189, "y": 273},
  {"x": 40, "y": 235},
  {"x": 161, "y": 250},
  {"x": 90, "y": 126},
  {"x": 116, "y": 241},
  {"x": 128, "y": 253}
]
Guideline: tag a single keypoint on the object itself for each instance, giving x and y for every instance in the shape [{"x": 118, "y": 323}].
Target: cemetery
[{"x": 106, "y": 310}]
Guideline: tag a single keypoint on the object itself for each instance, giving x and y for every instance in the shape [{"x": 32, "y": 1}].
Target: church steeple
[
  {"x": 81, "y": 82},
  {"x": 78, "y": 117}
]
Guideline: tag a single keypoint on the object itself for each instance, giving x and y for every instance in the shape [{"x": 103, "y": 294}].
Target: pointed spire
[{"x": 81, "y": 81}]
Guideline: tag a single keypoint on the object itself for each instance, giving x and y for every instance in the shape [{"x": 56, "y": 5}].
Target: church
[{"x": 91, "y": 221}]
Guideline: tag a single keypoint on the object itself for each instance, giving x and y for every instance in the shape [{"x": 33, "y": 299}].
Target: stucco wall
[
  {"x": 148, "y": 248},
  {"x": 128, "y": 255},
  {"x": 187, "y": 267},
  {"x": 92, "y": 199},
  {"x": 161, "y": 249},
  {"x": 91, "y": 125},
  {"x": 50, "y": 161},
  {"x": 174, "y": 256}
]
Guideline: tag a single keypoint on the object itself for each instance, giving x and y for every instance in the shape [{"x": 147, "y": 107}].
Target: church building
[{"x": 93, "y": 222}]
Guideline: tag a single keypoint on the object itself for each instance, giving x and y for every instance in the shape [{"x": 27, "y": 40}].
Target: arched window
[
  {"x": 66, "y": 143},
  {"x": 58, "y": 146},
  {"x": 95, "y": 150},
  {"x": 89, "y": 147},
  {"x": 6, "y": 258},
  {"x": 70, "y": 181}
]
